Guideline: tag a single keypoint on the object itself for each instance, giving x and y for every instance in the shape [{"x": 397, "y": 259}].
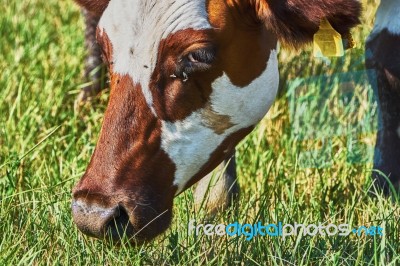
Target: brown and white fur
[{"x": 189, "y": 80}]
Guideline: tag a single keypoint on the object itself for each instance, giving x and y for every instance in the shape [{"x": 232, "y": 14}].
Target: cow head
[{"x": 189, "y": 80}]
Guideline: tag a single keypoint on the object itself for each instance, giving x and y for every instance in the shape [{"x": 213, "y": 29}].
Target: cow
[
  {"x": 383, "y": 56},
  {"x": 189, "y": 79}
]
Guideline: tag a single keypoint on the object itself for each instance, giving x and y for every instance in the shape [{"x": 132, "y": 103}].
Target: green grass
[{"x": 309, "y": 161}]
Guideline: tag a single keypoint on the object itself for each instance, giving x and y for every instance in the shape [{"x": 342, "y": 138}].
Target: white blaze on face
[
  {"x": 136, "y": 27},
  {"x": 189, "y": 143},
  {"x": 387, "y": 17}
]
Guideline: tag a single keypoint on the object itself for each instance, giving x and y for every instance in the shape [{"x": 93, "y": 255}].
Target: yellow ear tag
[{"x": 327, "y": 41}]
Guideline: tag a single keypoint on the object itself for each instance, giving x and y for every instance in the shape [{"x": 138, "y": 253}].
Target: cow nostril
[{"x": 119, "y": 225}]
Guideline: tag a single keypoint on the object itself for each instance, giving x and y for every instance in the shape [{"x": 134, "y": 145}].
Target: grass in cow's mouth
[{"x": 45, "y": 147}]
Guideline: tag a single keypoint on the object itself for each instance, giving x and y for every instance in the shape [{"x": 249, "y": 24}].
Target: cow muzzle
[{"x": 134, "y": 221}]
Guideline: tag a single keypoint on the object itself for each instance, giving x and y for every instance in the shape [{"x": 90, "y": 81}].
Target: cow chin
[{"x": 124, "y": 215}]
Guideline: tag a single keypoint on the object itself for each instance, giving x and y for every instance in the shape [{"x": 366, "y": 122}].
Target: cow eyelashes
[
  {"x": 202, "y": 56},
  {"x": 199, "y": 60},
  {"x": 194, "y": 61}
]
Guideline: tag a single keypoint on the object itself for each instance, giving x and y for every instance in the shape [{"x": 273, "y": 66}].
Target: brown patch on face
[
  {"x": 174, "y": 99},
  {"x": 134, "y": 131},
  {"x": 128, "y": 169},
  {"x": 245, "y": 43},
  {"x": 217, "y": 122}
]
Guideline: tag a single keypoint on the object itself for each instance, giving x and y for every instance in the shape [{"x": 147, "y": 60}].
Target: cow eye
[
  {"x": 205, "y": 56},
  {"x": 199, "y": 60}
]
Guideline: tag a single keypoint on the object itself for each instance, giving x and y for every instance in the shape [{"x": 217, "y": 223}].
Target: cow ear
[
  {"x": 95, "y": 7},
  {"x": 296, "y": 21}
]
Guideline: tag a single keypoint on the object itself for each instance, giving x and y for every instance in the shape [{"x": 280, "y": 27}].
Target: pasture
[{"x": 309, "y": 161}]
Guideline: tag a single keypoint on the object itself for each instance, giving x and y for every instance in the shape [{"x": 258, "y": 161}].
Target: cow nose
[{"x": 102, "y": 222}]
